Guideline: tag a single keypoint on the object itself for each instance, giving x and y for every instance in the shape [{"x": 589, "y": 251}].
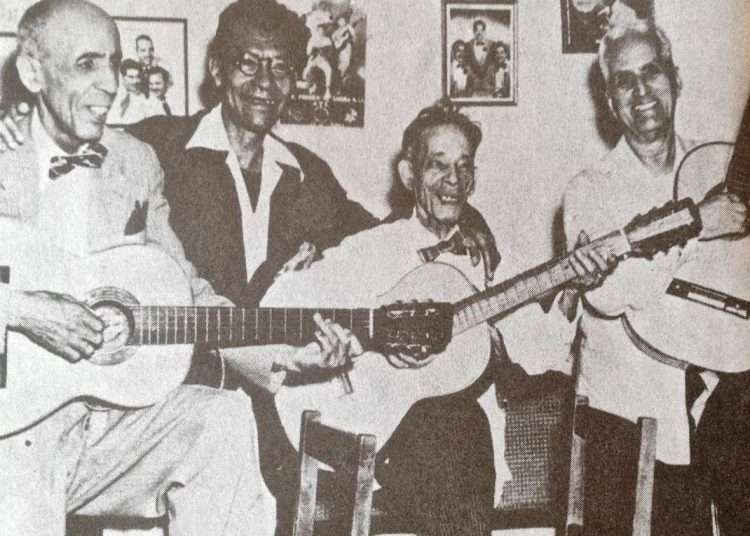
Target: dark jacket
[{"x": 205, "y": 210}]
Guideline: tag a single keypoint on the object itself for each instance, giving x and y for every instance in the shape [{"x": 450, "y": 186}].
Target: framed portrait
[
  {"x": 154, "y": 69},
  {"x": 480, "y": 51},
  {"x": 330, "y": 85},
  {"x": 584, "y": 22}
]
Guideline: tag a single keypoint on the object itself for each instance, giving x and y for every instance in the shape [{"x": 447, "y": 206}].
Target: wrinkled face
[
  {"x": 131, "y": 79},
  {"x": 76, "y": 76},
  {"x": 157, "y": 85},
  {"x": 445, "y": 177},
  {"x": 144, "y": 49},
  {"x": 257, "y": 82},
  {"x": 642, "y": 93}
]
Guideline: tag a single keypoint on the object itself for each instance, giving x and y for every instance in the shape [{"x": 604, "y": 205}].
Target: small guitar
[
  {"x": 703, "y": 318},
  {"x": 148, "y": 344},
  {"x": 382, "y": 394}
]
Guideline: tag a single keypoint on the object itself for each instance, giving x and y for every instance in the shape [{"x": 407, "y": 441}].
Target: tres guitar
[
  {"x": 703, "y": 318},
  {"x": 145, "y": 300},
  {"x": 382, "y": 394}
]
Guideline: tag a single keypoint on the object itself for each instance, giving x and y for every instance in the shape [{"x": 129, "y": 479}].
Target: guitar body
[
  {"x": 382, "y": 393},
  {"x": 691, "y": 331},
  {"x": 39, "y": 382}
]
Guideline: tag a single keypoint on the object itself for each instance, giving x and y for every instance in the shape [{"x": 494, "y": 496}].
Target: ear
[
  {"x": 611, "y": 105},
  {"x": 677, "y": 82},
  {"x": 214, "y": 67},
  {"x": 406, "y": 173},
  {"x": 30, "y": 72}
]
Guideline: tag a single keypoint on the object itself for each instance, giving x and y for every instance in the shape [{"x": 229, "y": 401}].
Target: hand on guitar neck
[
  {"x": 723, "y": 214},
  {"x": 56, "y": 322}
]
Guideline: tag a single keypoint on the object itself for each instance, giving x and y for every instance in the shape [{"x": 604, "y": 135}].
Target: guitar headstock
[
  {"x": 415, "y": 328},
  {"x": 663, "y": 228}
]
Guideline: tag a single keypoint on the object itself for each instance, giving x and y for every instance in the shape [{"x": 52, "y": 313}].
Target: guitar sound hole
[{"x": 117, "y": 331}]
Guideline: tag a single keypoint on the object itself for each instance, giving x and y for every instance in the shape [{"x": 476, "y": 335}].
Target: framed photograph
[
  {"x": 330, "y": 87},
  {"x": 480, "y": 51},
  {"x": 584, "y": 22},
  {"x": 154, "y": 71}
]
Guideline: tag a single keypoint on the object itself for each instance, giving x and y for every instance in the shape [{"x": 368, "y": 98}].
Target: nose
[
  {"x": 109, "y": 79},
  {"x": 641, "y": 88},
  {"x": 264, "y": 78},
  {"x": 451, "y": 177}
]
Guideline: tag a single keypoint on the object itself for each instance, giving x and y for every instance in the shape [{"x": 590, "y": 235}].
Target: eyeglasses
[
  {"x": 250, "y": 64},
  {"x": 627, "y": 81},
  {"x": 464, "y": 170}
]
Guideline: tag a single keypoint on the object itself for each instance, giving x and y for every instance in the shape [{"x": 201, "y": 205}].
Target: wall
[{"x": 530, "y": 150}]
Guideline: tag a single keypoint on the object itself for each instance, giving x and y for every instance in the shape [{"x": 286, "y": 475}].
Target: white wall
[{"x": 530, "y": 150}]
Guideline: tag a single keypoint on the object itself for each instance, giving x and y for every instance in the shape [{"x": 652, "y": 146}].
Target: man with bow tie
[
  {"x": 479, "y": 53},
  {"x": 438, "y": 470},
  {"x": 86, "y": 188}
]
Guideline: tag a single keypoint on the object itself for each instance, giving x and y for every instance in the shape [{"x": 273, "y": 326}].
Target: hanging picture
[
  {"x": 584, "y": 22},
  {"x": 480, "y": 52},
  {"x": 330, "y": 82},
  {"x": 153, "y": 72}
]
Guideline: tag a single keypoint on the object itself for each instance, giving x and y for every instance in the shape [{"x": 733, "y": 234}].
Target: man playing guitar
[{"x": 702, "y": 463}]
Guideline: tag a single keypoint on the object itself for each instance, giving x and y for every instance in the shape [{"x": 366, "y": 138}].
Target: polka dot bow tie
[
  {"x": 90, "y": 155},
  {"x": 455, "y": 244}
]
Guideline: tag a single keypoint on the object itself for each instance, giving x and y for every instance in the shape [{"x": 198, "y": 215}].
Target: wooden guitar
[
  {"x": 703, "y": 318},
  {"x": 148, "y": 344},
  {"x": 382, "y": 394}
]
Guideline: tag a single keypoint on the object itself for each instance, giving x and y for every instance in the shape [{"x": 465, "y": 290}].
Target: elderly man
[
  {"x": 643, "y": 86},
  {"x": 85, "y": 187},
  {"x": 438, "y": 468}
]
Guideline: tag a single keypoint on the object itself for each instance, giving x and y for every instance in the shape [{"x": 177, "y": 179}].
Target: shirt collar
[
  {"x": 423, "y": 237},
  {"x": 212, "y": 135},
  {"x": 627, "y": 159}
]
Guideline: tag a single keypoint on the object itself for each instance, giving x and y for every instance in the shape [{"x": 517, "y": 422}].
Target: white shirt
[
  {"x": 615, "y": 375},
  {"x": 139, "y": 107},
  {"x": 370, "y": 263},
  {"x": 211, "y": 134}
]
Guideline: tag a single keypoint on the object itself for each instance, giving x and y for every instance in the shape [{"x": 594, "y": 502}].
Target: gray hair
[{"x": 639, "y": 28}]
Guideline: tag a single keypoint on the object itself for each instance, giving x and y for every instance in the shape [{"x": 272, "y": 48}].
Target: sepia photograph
[
  {"x": 154, "y": 69},
  {"x": 232, "y": 305},
  {"x": 480, "y": 49},
  {"x": 584, "y": 22},
  {"x": 330, "y": 89}
]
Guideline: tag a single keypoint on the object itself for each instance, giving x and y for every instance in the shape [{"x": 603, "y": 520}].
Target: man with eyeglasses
[{"x": 619, "y": 376}]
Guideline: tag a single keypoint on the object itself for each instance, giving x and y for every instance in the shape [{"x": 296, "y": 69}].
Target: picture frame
[
  {"x": 330, "y": 82},
  {"x": 480, "y": 51},
  {"x": 169, "y": 51},
  {"x": 584, "y": 22}
]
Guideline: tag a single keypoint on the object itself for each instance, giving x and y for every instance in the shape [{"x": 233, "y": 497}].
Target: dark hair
[
  {"x": 128, "y": 64},
  {"x": 143, "y": 37},
  {"x": 266, "y": 16},
  {"x": 442, "y": 113},
  {"x": 477, "y": 23},
  {"x": 455, "y": 46},
  {"x": 160, "y": 70}
]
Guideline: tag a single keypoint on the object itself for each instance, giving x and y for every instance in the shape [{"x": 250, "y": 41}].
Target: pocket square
[{"x": 137, "y": 220}]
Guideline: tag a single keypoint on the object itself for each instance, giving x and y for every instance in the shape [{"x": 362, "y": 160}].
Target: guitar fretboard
[{"x": 232, "y": 326}]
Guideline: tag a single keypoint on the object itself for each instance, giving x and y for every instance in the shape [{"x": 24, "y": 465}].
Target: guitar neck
[
  {"x": 232, "y": 326},
  {"x": 525, "y": 287}
]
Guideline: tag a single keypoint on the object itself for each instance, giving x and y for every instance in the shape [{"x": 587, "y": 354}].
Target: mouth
[
  {"x": 646, "y": 107},
  {"x": 448, "y": 199},
  {"x": 261, "y": 101}
]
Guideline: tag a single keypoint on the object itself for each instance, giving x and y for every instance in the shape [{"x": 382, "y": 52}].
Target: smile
[
  {"x": 646, "y": 107},
  {"x": 262, "y": 101},
  {"x": 448, "y": 199}
]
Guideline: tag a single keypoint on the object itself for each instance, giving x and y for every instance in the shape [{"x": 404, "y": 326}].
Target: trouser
[
  {"x": 192, "y": 456},
  {"x": 683, "y": 494},
  {"x": 436, "y": 471}
]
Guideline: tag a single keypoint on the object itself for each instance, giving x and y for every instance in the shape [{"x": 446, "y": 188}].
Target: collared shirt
[
  {"x": 615, "y": 375},
  {"x": 138, "y": 107},
  {"x": 370, "y": 263},
  {"x": 211, "y": 134}
]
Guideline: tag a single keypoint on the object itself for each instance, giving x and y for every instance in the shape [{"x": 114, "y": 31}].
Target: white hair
[{"x": 638, "y": 28}]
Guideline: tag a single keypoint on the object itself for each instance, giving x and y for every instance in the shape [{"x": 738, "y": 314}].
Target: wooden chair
[{"x": 352, "y": 457}]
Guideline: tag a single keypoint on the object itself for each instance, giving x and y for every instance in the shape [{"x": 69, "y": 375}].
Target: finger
[
  {"x": 325, "y": 327},
  {"x": 601, "y": 262},
  {"x": 488, "y": 272},
  {"x": 22, "y": 108},
  {"x": 6, "y": 136},
  {"x": 91, "y": 321},
  {"x": 343, "y": 337},
  {"x": 474, "y": 253},
  {"x": 734, "y": 198},
  {"x": 583, "y": 239},
  {"x": 583, "y": 261},
  {"x": 325, "y": 349}
]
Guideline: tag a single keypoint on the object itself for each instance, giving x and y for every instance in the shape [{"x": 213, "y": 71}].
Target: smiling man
[{"x": 643, "y": 88}]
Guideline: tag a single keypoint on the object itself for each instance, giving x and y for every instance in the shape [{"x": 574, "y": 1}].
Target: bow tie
[
  {"x": 90, "y": 155},
  {"x": 454, "y": 244}
]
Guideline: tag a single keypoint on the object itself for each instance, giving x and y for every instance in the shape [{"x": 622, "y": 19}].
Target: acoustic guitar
[
  {"x": 703, "y": 318},
  {"x": 381, "y": 394},
  {"x": 149, "y": 344}
]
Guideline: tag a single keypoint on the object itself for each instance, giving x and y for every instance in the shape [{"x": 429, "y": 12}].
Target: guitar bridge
[{"x": 709, "y": 297}]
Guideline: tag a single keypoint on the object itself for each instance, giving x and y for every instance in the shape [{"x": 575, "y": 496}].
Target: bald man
[{"x": 194, "y": 454}]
